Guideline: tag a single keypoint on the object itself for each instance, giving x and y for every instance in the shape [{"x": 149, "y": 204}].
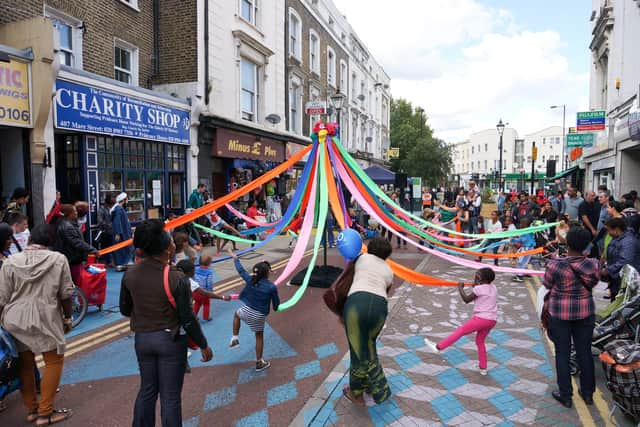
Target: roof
[{"x": 380, "y": 175}]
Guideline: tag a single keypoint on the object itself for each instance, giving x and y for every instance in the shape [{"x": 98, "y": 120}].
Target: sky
[{"x": 469, "y": 63}]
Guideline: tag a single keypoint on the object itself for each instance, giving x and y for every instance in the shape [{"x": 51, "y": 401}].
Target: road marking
[
  {"x": 583, "y": 412},
  {"x": 121, "y": 327}
]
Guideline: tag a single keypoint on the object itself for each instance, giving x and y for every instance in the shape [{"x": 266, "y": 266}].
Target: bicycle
[{"x": 79, "y": 306}]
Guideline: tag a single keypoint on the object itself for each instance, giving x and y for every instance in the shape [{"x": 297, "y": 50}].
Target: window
[
  {"x": 249, "y": 11},
  {"x": 67, "y": 36},
  {"x": 362, "y": 90},
  {"x": 314, "y": 52},
  {"x": 485, "y": 165},
  {"x": 472, "y": 150},
  {"x": 354, "y": 133},
  {"x": 370, "y": 101},
  {"x": 354, "y": 85},
  {"x": 343, "y": 77},
  {"x": 544, "y": 140},
  {"x": 295, "y": 35},
  {"x": 132, "y": 3},
  {"x": 557, "y": 140},
  {"x": 314, "y": 95},
  {"x": 249, "y": 90},
  {"x": 295, "y": 104},
  {"x": 126, "y": 62},
  {"x": 331, "y": 67},
  {"x": 486, "y": 148}
]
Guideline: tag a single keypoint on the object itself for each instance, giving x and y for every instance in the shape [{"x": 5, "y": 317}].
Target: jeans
[
  {"x": 523, "y": 261},
  {"x": 473, "y": 225},
  {"x": 123, "y": 256},
  {"x": 561, "y": 333},
  {"x": 482, "y": 327},
  {"x": 162, "y": 364}
]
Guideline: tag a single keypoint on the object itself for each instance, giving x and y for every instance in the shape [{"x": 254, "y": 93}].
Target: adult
[
  {"x": 6, "y": 239},
  {"x": 589, "y": 212},
  {"x": 54, "y": 214},
  {"x": 121, "y": 228},
  {"x": 572, "y": 203},
  {"x": 604, "y": 198},
  {"x": 475, "y": 205},
  {"x": 570, "y": 282},
  {"x": 105, "y": 226},
  {"x": 35, "y": 295},
  {"x": 524, "y": 209},
  {"x": 19, "y": 199},
  {"x": 219, "y": 224},
  {"x": 636, "y": 201},
  {"x": 427, "y": 199},
  {"x": 160, "y": 339},
  {"x": 558, "y": 203},
  {"x": 196, "y": 199},
  {"x": 623, "y": 249},
  {"x": 70, "y": 243},
  {"x": 364, "y": 315},
  {"x": 500, "y": 199}
]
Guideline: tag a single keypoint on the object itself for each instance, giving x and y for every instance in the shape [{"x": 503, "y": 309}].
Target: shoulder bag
[
  {"x": 336, "y": 295},
  {"x": 190, "y": 343}
]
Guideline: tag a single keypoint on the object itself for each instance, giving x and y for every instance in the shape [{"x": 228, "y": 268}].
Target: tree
[{"x": 420, "y": 153}]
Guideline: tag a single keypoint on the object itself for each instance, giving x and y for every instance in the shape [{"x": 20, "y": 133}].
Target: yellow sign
[
  {"x": 15, "y": 107},
  {"x": 394, "y": 152},
  {"x": 534, "y": 153}
]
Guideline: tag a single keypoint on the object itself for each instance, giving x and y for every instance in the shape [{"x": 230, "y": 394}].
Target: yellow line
[{"x": 583, "y": 412}]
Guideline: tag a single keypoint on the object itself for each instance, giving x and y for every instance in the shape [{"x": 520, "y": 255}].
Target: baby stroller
[{"x": 621, "y": 365}]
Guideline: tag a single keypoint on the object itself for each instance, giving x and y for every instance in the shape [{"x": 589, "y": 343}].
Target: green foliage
[
  {"x": 487, "y": 195},
  {"x": 420, "y": 153}
]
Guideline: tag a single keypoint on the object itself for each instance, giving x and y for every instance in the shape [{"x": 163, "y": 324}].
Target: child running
[
  {"x": 485, "y": 315},
  {"x": 256, "y": 296},
  {"x": 204, "y": 277}
]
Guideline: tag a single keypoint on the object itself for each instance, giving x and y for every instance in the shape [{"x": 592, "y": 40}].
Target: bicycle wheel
[{"x": 79, "y": 306}]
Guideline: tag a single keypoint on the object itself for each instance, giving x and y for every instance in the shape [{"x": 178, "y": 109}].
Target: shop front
[
  {"x": 15, "y": 120},
  {"x": 111, "y": 139},
  {"x": 295, "y": 172}
]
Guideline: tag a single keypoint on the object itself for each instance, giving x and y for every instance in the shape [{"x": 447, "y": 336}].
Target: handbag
[
  {"x": 336, "y": 296},
  {"x": 190, "y": 343}
]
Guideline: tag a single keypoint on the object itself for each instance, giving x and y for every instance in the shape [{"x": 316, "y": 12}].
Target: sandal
[
  {"x": 57, "y": 416},
  {"x": 32, "y": 417},
  {"x": 346, "y": 392}
]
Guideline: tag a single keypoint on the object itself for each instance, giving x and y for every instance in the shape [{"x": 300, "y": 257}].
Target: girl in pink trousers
[{"x": 485, "y": 314}]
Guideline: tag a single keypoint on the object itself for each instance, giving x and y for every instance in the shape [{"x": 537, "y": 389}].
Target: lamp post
[
  {"x": 564, "y": 113},
  {"x": 337, "y": 99},
  {"x": 500, "y": 129}
]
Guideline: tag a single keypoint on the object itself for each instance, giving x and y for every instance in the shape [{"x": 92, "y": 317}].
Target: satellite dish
[{"x": 273, "y": 119}]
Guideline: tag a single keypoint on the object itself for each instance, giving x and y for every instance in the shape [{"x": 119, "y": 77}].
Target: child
[
  {"x": 183, "y": 250},
  {"x": 19, "y": 223},
  {"x": 485, "y": 315},
  {"x": 256, "y": 296},
  {"x": 204, "y": 277},
  {"x": 526, "y": 242},
  {"x": 494, "y": 226}
]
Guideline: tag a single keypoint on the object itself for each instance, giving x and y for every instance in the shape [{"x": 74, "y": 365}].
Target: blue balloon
[{"x": 349, "y": 243}]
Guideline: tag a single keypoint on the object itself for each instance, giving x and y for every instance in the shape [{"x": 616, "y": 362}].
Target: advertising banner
[{"x": 15, "y": 96}]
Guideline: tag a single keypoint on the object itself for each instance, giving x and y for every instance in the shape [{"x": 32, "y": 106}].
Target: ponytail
[{"x": 260, "y": 271}]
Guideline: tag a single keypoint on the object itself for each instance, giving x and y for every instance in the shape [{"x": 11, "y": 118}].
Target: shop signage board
[
  {"x": 580, "y": 140},
  {"x": 93, "y": 110},
  {"x": 634, "y": 123},
  {"x": 15, "y": 94},
  {"x": 591, "y": 121},
  {"x": 238, "y": 145},
  {"x": 393, "y": 152},
  {"x": 416, "y": 185},
  {"x": 315, "y": 107}
]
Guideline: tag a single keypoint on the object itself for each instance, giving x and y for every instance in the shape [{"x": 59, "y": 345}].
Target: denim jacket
[{"x": 257, "y": 296}]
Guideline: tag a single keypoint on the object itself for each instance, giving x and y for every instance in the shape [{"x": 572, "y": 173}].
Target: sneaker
[
  {"x": 235, "y": 343},
  {"x": 432, "y": 346},
  {"x": 483, "y": 372},
  {"x": 121, "y": 268},
  {"x": 206, "y": 320},
  {"x": 262, "y": 364},
  {"x": 518, "y": 278}
]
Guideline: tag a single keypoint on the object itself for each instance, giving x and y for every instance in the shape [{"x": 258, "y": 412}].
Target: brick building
[{"x": 111, "y": 125}]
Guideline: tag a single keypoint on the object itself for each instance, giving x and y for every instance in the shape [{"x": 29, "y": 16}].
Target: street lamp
[
  {"x": 564, "y": 113},
  {"x": 500, "y": 129},
  {"x": 336, "y": 100}
]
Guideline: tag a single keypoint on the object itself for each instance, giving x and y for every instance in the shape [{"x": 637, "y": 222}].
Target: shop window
[
  {"x": 134, "y": 187},
  {"x": 154, "y": 156},
  {"x": 175, "y": 189},
  {"x": 176, "y": 158}
]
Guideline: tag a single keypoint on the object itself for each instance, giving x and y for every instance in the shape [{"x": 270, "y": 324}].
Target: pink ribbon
[{"x": 249, "y": 219}]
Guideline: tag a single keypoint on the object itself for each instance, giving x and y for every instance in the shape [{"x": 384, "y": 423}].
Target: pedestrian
[
  {"x": 6, "y": 239},
  {"x": 183, "y": 249},
  {"x": 121, "y": 231},
  {"x": 570, "y": 281},
  {"x": 20, "y": 225},
  {"x": 526, "y": 242},
  {"x": 636, "y": 200},
  {"x": 256, "y": 296},
  {"x": 589, "y": 212},
  {"x": 204, "y": 275},
  {"x": 475, "y": 205},
  {"x": 253, "y": 212},
  {"x": 500, "y": 201},
  {"x": 70, "y": 243},
  {"x": 484, "y": 296},
  {"x": 54, "y": 213},
  {"x": 572, "y": 203},
  {"x": 36, "y": 307},
  {"x": 623, "y": 249},
  {"x": 161, "y": 327},
  {"x": 19, "y": 199},
  {"x": 104, "y": 225},
  {"x": 196, "y": 199},
  {"x": 219, "y": 224},
  {"x": 494, "y": 226},
  {"x": 364, "y": 314},
  {"x": 558, "y": 203}
]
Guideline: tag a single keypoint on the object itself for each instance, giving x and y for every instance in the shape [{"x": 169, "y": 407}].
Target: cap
[{"x": 120, "y": 197}]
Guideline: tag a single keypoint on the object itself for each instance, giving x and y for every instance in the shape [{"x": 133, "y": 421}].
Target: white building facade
[{"x": 614, "y": 160}]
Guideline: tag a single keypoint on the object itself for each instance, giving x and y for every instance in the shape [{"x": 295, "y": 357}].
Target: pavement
[{"x": 447, "y": 389}]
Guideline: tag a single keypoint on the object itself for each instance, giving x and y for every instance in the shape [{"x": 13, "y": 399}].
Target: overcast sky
[{"x": 469, "y": 63}]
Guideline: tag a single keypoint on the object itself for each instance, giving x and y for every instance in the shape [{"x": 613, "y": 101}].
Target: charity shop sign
[
  {"x": 93, "y": 110},
  {"x": 15, "y": 94}
]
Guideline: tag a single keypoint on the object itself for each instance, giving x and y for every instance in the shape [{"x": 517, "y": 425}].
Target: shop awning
[
  {"x": 515, "y": 176},
  {"x": 380, "y": 175},
  {"x": 564, "y": 173}
]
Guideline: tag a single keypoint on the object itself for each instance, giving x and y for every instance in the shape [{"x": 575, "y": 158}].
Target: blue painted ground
[
  {"x": 110, "y": 310},
  {"x": 118, "y": 358}
]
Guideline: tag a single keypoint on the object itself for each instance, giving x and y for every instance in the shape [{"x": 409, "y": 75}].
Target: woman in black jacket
[
  {"x": 70, "y": 243},
  {"x": 161, "y": 327}
]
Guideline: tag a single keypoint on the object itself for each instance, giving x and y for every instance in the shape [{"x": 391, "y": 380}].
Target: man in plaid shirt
[{"x": 572, "y": 311}]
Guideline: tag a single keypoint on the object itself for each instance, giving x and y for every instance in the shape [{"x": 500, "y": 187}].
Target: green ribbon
[{"x": 223, "y": 235}]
